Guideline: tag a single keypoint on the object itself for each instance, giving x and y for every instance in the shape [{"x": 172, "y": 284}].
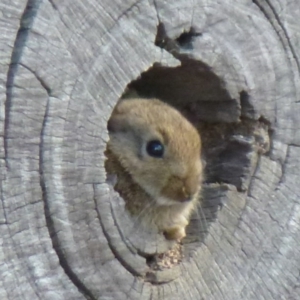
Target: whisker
[
  {"x": 203, "y": 217},
  {"x": 203, "y": 226}
]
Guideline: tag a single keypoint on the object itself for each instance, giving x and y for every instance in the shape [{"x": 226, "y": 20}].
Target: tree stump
[{"x": 232, "y": 67}]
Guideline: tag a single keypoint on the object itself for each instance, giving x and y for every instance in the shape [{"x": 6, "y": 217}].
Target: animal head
[{"x": 158, "y": 147}]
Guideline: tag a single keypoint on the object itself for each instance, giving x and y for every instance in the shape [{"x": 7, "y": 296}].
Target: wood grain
[{"x": 63, "y": 66}]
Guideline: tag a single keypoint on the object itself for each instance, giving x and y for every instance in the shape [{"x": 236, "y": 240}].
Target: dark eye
[{"x": 155, "y": 149}]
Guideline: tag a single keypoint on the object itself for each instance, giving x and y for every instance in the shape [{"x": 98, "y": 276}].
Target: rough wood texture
[{"x": 63, "y": 66}]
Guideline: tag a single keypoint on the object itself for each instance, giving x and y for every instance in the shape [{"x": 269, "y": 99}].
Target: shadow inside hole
[{"x": 193, "y": 89}]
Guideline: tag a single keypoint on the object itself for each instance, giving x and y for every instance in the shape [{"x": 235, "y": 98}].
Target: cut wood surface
[{"x": 232, "y": 67}]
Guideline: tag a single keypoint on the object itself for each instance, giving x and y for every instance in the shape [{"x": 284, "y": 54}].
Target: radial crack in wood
[{"x": 232, "y": 69}]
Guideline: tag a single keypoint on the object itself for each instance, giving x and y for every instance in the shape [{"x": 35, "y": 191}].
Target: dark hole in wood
[{"x": 185, "y": 40}]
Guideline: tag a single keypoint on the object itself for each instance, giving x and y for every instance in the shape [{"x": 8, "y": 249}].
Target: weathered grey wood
[{"x": 63, "y": 66}]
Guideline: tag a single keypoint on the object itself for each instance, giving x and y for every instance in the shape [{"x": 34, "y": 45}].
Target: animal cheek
[{"x": 148, "y": 178}]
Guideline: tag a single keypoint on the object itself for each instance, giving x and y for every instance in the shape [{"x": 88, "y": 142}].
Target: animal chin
[
  {"x": 165, "y": 201},
  {"x": 185, "y": 200},
  {"x": 168, "y": 201}
]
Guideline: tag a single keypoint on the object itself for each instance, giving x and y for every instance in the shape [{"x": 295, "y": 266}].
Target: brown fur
[{"x": 161, "y": 191}]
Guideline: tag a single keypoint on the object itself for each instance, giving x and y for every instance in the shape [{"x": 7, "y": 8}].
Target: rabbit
[{"x": 156, "y": 155}]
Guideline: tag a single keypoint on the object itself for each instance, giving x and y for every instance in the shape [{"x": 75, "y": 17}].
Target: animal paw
[{"x": 175, "y": 233}]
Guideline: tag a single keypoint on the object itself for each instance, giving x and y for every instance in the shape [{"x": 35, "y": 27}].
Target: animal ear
[{"x": 118, "y": 123}]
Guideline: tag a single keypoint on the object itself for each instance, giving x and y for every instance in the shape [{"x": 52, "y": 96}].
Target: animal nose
[
  {"x": 191, "y": 187},
  {"x": 187, "y": 195}
]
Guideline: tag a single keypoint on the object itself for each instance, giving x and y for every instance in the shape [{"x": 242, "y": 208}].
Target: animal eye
[{"x": 155, "y": 148}]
